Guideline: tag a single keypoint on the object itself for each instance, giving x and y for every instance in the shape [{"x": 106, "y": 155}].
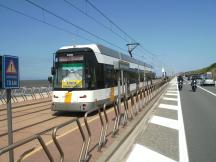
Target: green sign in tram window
[{"x": 72, "y": 75}]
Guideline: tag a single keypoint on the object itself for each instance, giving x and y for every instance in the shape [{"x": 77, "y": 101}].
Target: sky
[{"x": 179, "y": 35}]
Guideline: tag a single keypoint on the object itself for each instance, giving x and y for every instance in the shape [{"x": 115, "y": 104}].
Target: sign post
[
  {"x": 10, "y": 80},
  {"x": 10, "y": 125}
]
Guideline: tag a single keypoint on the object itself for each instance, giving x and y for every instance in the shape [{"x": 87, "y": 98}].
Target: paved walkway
[{"x": 164, "y": 138}]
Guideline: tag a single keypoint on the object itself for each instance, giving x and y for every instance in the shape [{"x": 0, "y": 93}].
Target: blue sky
[{"x": 181, "y": 34}]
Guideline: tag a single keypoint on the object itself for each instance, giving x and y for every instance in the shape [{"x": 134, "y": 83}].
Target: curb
[{"x": 115, "y": 152}]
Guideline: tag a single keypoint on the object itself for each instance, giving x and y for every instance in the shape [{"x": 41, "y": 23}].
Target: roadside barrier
[
  {"x": 24, "y": 94},
  {"x": 103, "y": 134},
  {"x": 138, "y": 99},
  {"x": 43, "y": 145},
  {"x": 25, "y": 141},
  {"x": 117, "y": 118},
  {"x": 55, "y": 140}
]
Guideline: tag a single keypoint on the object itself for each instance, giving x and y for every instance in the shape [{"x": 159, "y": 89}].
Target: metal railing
[
  {"x": 55, "y": 140},
  {"x": 27, "y": 140},
  {"x": 24, "y": 93},
  {"x": 139, "y": 99},
  {"x": 103, "y": 132},
  {"x": 42, "y": 143}
]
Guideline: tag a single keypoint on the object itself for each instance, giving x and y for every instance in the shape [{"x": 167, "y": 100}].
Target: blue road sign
[{"x": 10, "y": 72}]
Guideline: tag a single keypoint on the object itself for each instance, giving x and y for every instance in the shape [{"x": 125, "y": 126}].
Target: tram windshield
[{"x": 69, "y": 74}]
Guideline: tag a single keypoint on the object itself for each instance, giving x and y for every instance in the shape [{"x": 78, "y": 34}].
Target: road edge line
[{"x": 183, "y": 151}]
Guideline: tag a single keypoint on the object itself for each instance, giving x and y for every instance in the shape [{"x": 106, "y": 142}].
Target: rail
[
  {"x": 103, "y": 133},
  {"x": 55, "y": 140},
  {"x": 24, "y": 94},
  {"x": 138, "y": 99},
  {"x": 27, "y": 140},
  {"x": 117, "y": 118}
]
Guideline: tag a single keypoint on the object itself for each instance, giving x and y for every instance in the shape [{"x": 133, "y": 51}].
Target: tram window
[
  {"x": 141, "y": 76},
  {"x": 110, "y": 76},
  {"x": 99, "y": 76},
  {"x": 133, "y": 76}
]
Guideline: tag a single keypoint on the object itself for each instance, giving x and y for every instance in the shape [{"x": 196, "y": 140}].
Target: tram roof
[{"x": 98, "y": 48}]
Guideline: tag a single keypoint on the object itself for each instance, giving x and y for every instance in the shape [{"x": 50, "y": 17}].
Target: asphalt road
[{"x": 199, "y": 114}]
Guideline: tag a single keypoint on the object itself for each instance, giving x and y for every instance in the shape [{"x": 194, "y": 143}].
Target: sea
[{"x": 34, "y": 83}]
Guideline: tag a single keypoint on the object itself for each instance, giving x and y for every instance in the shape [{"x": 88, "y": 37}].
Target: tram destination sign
[{"x": 10, "y": 72}]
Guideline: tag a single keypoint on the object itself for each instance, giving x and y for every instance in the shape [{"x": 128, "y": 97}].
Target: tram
[{"x": 83, "y": 74}]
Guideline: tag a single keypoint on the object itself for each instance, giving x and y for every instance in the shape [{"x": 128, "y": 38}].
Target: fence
[
  {"x": 123, "y": 115},
  {"x": 24, "y": 94}
]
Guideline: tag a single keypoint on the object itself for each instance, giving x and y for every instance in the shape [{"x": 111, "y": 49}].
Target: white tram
[{"x": 83, "y": 74}]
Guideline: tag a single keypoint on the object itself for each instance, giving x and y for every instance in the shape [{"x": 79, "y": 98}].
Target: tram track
[
  {"x": 31, "y": 119},
  {"x": 25, "y": 110},
  {"x": 31, "y": 125},
  {"x": 21, "y": 105},
  {"x": 17, "y": 116}
]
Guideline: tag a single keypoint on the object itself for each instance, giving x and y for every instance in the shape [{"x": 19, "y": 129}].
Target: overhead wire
[
  {"x": 76, "y": 26},
  {"x": 117, "y": 26},
  {"x": 43, "y": 22},
  {"x": 95, "y": 20},
  {"x": 120, "y": 29}
]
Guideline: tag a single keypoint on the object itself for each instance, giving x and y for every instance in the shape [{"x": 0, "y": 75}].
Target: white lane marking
[
  {"x": 166, "y": 122},
  {"x": 170, "y": 99},
  {"x": 171, "y": 94},
  {"x": 171, "y": 107},
  {"x": 172, "y": 87},
  {"x": 207, "y": 91},
  {"x": 172, "y": 91},
  {"x": 183, "y": 151},
  {"x": 143, "y": 154}
]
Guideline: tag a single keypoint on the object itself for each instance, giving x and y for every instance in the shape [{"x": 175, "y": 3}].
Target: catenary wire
[
  {"x": 76, "y": 26},
  {"x": 43, "y": 22},
  {"x": 95, "y": 20}
]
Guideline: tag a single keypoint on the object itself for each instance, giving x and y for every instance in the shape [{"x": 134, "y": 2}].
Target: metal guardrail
[
  {"x": 142, "y": 97},
  {"x": 103, "y": 132},
  {"x": 27, "y": 140},
  {"x": 42, "y": 143},
  {"x": 104, "y": 127},
  {"x": 24, "y": 93},
  {"x": 117, "y": 117},
  {"x": 55, "y": 140},
  {"x": 136, "y": 105}
]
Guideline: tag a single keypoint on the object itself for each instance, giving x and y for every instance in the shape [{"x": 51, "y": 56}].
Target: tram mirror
[
  {"x": 53, "y": 72},
  {"x": 50, "y": 79}
]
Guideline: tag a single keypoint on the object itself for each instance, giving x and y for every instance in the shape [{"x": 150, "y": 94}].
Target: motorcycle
[
  {"x": 193, "y": 85},
  {"x": 180, "y": 85}
]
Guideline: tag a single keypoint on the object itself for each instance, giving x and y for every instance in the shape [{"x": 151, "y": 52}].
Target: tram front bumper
[{"x": 73, "y": 107}]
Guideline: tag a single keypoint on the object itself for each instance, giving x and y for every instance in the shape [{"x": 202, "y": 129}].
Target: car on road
[{"x": 207, "y": 79}]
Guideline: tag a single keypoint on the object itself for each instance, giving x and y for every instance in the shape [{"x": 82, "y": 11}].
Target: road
[{"x": 199, "y": 111}]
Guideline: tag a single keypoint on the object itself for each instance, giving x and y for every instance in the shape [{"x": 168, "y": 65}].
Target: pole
[
  {"x": 122, "y": 80},
  {"x": 10, "y": 128},
  {"x": 119, "y": 90}
]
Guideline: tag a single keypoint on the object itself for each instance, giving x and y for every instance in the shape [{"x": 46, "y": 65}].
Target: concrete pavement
[{"x": 163, "y": 139}]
